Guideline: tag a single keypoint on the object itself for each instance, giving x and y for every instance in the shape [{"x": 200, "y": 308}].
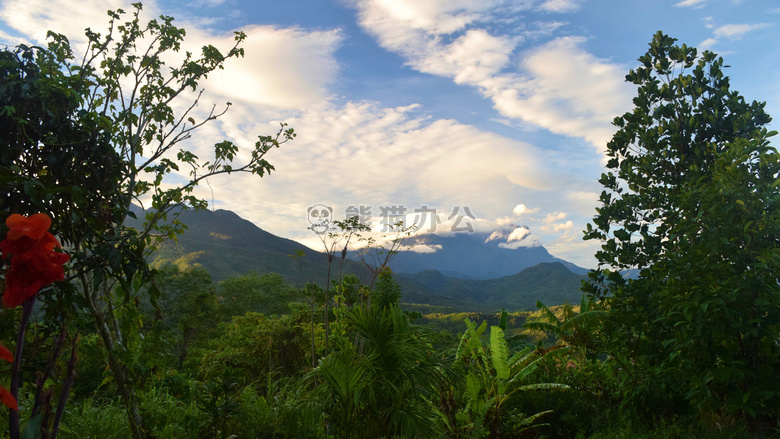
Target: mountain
[
  {"x": 551, "y": 282},
  {"x": 227, "y": 245},
  {"x": 475, "y": 255}
]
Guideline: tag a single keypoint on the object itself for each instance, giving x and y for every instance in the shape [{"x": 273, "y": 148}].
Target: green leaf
[
  {"x": 502, "y": 320},
  {"x": 498, "y": 352},
  {"x": 32, "y": 430}
]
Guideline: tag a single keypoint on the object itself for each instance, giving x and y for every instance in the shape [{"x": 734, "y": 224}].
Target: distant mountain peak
[{"x": 485, "y": 255}]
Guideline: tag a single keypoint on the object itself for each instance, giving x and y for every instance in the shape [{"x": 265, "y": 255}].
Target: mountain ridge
[
  {"x": 475, "y": 255},
  {"x": 227, "y": 245}
]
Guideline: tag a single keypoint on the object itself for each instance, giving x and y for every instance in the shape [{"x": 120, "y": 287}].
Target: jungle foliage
[{"x": 687, "y": 349}]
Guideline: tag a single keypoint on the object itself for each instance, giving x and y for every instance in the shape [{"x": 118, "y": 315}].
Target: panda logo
[{"x": 320, "y": 217}]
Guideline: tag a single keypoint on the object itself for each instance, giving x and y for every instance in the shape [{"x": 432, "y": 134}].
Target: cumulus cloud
[
  {"x": 520, "y": 237},
  {"x": 557, "y": 227},
  {"x": 522, "y": 209},
  {"x": 567, "y": 91},
  {"x": 363, "y": 153},
  {"x": 518, "y": 234},
  {"x": 436, "y": 17},
  {"x": 283, "y": 68},
  {"x": 360, "y": 153},
  {"x": 286, "y": 68},
  {"x": 32, "y": 18},
  {"x": 560, "y": 86},
  {"x": 471, "y": 59},
  {"x": 555, "y": 216}
]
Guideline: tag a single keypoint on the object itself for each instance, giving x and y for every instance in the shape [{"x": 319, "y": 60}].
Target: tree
[
  {"x": 263, "y": 293},
  {"x": 88, "y": 138},
  {"x": 387, "y": 291},
  {"x": 377, "y": 254},
  {"x": 187, "y": 313},
  {"x": 347, "y": 230},
  {"x": 382, "y": 384},
  {"x": 691, "y": 201},
  {"x": 256, "y": 346}
]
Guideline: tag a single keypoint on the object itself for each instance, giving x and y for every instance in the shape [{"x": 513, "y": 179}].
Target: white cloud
[
  {"x": 472, "y": 58},
  {"x": 33, "y": 18},
  {"x": 563, "y": 88},
  {"x": 707, "y": 44},
  {"x": 360, "y": 153},
  {"x": 436, "y": 17},
  {"x": 729, "y": 31},
  {"x": 582, "y": 204},
  {"x": 519, "y": 237},
  {"x": 737, "y": 31},
  {"x": 285, "y": 68},
  {"x": 496, "y": 235},
  {"x": 282, "y": 68},
  {"x": 9, "y": 40},
  {"x": 555, "y": 216},
  {"x": 518, "y": 244},
  {"x": 422, "y": 248},
  {"x": 522, "y": 209},
  {"x": 560, "y": 5},
  {"x": 571, "y": 247},
  {"x": 518, "y": 234},
  {"x": 567, "y": 91},
  {"x": 694, "y": 4},
  {"x": 557, "y": 227}
]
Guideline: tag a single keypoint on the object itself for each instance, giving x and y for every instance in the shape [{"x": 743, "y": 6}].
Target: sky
[{"x": 473, "y": 114}]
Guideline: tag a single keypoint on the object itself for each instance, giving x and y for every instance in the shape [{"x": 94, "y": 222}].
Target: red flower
[
  {"x": 34, "y": 263},
  {"x": 5, "y": 354},
  {"x": 8, "y": 399},
  {"x": 5, "y": 396},
  {"x": 33, "y": 227}
]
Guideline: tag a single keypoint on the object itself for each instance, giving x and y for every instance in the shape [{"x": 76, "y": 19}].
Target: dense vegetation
[{"x": 119, "y": 349}]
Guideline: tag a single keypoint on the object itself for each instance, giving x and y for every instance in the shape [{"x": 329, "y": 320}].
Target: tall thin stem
[{"x": 13, "y": 417}]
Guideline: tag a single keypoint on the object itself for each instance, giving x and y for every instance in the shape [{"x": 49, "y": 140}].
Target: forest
[{"x": 101, "y": 343}]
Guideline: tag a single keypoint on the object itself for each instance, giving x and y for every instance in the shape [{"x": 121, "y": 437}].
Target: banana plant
[
  {"x": 493, "y": 376},
  {"x": 574, "y": 329}
]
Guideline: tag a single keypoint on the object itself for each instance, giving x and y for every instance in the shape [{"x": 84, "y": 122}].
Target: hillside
[
  {"x": 227, "y": 245},
  {"x": 474, "y": 256},
  {"x": 552, "y": 283}
]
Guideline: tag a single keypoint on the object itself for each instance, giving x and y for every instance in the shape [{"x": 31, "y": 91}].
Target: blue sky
[{"x": 503, "y": 107}]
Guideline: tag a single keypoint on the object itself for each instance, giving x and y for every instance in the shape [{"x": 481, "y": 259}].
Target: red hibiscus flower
[
  {"x": 34, "y": 263},
  {"x": 34, "y": 226}
]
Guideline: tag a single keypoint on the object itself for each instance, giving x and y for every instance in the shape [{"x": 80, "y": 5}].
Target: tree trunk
[{"x": 119, "y": 370}]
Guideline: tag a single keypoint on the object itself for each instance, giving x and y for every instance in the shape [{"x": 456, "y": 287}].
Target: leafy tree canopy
[
  {"x": 691, "y": 199},
  {"x": 84, "y": 137}
]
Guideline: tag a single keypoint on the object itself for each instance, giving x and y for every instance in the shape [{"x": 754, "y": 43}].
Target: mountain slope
[
  {"x": 226, "y": 245},
  {"x": 473, "y": 256},
  {"x": 552, "y": 283}
]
